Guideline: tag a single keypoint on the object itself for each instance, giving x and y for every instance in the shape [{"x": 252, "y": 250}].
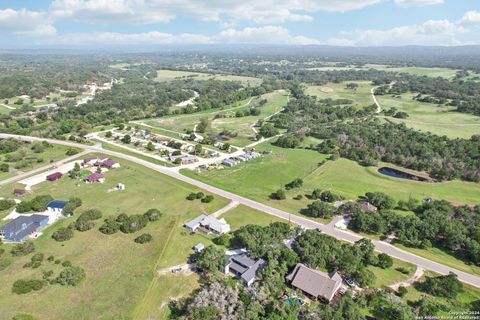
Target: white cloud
[
  {"x": 431, "y": 32},
  {"x": 24, "y": 22},
  {"x": 417, "y": 3},
  {"x": 155, "y": 11},
  {"x": 261, "y": 35},
  {"x": 471, "y": 18}
]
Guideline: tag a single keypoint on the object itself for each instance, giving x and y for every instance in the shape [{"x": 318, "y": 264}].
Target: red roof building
[
  {"x": 19, "y": 192},
  {"x": 54, "y": 176},
  {"x": 95, "y": 177}
]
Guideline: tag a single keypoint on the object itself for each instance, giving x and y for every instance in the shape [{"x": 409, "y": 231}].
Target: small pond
[{"x": 401, "y": 174}]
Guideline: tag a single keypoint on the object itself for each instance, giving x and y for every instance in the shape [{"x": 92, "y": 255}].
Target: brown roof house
[
  {"x": 95, "y": 177},
  {"x": 54, "y": 176},
  {"x": 19, "y": 192},
  {"x": 314, "y": 283},
  {"x": 110, "y": 164}
]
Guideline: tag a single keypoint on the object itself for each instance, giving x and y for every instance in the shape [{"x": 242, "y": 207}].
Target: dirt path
[
  {"x": 416, "y": 276},
  {"x": 228, "y": 207},
  {"x": 8, "y": 107}
]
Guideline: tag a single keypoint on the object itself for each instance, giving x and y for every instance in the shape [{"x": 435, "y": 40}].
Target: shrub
[
  {"x": 51, "y": 258},
  {"x": 82, "y": 225},
  {"x": 73, "y": 203},
  {"x": 92, "y": 214},
  {"x": 26, "y": 286},
  {"x": 66, "y": 263},
  {"x": 297, "y": 183},
  {"x": 199, "y": 195},
  {"x": 121, "y": 217},
  {"x": 384, "y": 261},
  {"x": 402, "y": 270},
  {"x": 223, "y": 240},
  {"x": 71, "y": 276},
  {"x": 62, "y": 234},
  {"x": 207, "y": 199},
  {"x": 22, "y": 249},
  {"x": 6, "y": 204},
  {"x": 153, "y": 214},
  {"x": 278, "y": 195},
  {"x": 442, "y": 286},
  {"x": 192, "y": 196},
  {"x": 134, "y": 223},
  {"x": 109, "y": 227},
  {"x": 402, "y": 291},
  {"x": 4, "y": 263},
  {"x": 144, "y": 238},
  {"x": 23, "y": 316}
]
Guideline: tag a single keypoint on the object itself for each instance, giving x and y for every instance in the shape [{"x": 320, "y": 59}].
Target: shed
[
  {"x": 19, "y": 192},
  {"x": 56, "y": 206}
]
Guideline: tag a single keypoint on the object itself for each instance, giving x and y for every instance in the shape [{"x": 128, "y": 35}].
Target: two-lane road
[{"x": 303, "y": 222}]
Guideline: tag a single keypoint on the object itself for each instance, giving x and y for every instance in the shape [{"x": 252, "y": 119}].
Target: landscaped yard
[
  {"x": 389, "y": 276},
  {"x": 440, "y": 120},
  {"x": 119, "y": 271}
]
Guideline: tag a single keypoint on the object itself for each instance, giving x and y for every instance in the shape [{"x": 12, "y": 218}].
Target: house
[
  {"x": 89, "y": 161},
  {"x": 184, "y": 158},
  {"x": 367, "y": 206},
  {"x": 229, "y": 163},
  {"x": 19, "y": 192},
  {"x": 100, "y": 160},
  {"x": 245, "y": 268},
  {"x": 110, "y": 164},
  {"x": 314, "y": 283},
  {"x": 95, "y": 177},
  {"x": 20, "y": 228},
  {"x": 199, "y": 247},
  {"x": 54, "y": 176},
  {"x": 56, "y": 206},
  {"x": 208, "y": 224}
]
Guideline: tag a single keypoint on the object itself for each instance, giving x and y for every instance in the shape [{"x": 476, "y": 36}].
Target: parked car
[{"x": 350, "y": 282}]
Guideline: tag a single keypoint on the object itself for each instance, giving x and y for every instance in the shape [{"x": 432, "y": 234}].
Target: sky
[{"x": 99, "y": 23}]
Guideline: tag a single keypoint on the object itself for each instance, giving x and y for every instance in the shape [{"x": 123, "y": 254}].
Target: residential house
[
  {"x": 208, "y": 224},
  {"x": 367, "y": 206},
  {"x": 54, "y": 176},
  {"x": 110, "y": 164},
  {"x": 20, "y": 228},
  {"x": 245, "y": 268},
  {"x": 56, "y": 206},
  {"x": 100, "y": 161},
  {"x": 316, "y": 284},
  {"x": 95, "y": 177},
  {"x": 199, "y": 247},
  {"x": 87, "y": 162}
]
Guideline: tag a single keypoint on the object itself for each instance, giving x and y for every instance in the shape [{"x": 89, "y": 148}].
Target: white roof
[{"x": 220, "y": 226}]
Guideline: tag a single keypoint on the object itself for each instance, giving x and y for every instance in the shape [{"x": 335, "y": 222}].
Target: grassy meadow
[
  {"x": 361, "y": 97},
  {"x": 171, "y": 75}
]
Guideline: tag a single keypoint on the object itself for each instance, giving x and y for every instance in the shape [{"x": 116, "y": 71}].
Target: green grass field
[
  {"x": 50, "y": 154},
  {"x": 361, "y": 97},
  {"x": 170, "y": 75},
  {"x": 119, "y": 271},
  {"x": 386, "y": 277},
  {"x": 419, "y": 71},
  {"x": 440, "y": 120},
  {"x": 172, "y": 125}
]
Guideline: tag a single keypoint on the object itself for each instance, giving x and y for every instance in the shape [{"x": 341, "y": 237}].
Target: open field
[
  {"x": 389, "y": 276},
  {"x": 440, "y": 120},
  {"x": 419, "y": 71},
  {"x": 241, "y": 125},
  {"x": 170, "y": 75},
  {"x": 118, "y": 270},
  {"x": 31, "y": 160},
  {"x": 361, "y": 97}
]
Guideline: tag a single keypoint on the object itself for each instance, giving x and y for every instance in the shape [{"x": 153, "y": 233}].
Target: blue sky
[{"x": 50, "y": 23}]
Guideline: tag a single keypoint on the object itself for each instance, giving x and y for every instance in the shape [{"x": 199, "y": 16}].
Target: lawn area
[
  {"x": 170, "y": 75},
  {"x": 386, "y": 277},
  {"x": 443, "y": 257},
  {"x": 440, "y": 120},
  {"x": 112, "y": 147},
  {"x": 26, "y": 159},
  {"x": 460, "y": 303},
  {"x": 361, "y": 97},
  {"x": 119, "y": 271}
]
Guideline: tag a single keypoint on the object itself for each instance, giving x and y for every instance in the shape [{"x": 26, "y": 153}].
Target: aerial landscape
[{"x": 198, "y": 160}]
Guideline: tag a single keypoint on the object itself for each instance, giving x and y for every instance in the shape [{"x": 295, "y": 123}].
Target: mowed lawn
[
  {"x": 440, "y": 120},
  {"x": 361, "y": 97},
  {"x": 119, "y": 271},
  {"x": 170, "y": 75}
]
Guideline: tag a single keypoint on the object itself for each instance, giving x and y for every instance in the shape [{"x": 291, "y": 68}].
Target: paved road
[{"x": 380, "y": 246}]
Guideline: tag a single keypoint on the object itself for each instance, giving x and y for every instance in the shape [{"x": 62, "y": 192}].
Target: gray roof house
[
  {"x": 21, "y": 227},
  {"x": 316, "y": 284},
  {"x": 245, "y": 268},
  {"x": 208, "y": 223}
]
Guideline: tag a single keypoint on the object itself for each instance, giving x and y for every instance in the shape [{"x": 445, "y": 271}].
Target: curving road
[{"x": 380, "y": 246}]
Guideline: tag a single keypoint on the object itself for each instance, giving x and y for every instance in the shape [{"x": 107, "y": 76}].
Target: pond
[{"x": 401, "y": 174}]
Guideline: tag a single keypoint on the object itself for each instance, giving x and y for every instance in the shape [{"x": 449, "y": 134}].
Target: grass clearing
[
  {"x": 440, "y": 120},
  {"x": 387, "y": 277},
  {"x": 118, "y": 270},
  {"x": 171, "y": 75},
  {"x": 361, "y": 97}
]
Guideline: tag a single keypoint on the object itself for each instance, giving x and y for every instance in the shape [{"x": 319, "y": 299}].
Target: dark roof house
[
  {"x": 95, "y": 177},
  {"x": 110, "y": 164},
  {"x": 245, "y": 268},
  {"x": 316, "y": 284},
  {"x": 21, "y": 227},
  {"x": 19, "y": 192},
  {"x": 56, "y": 205},
  {"x": 54, "y": 176}
]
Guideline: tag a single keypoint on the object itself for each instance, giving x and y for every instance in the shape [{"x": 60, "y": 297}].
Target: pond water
[{"x": 400, "y": 174}]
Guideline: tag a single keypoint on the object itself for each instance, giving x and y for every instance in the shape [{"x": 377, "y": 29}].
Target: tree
[
  {"x": 365, "y": 278},
  {"x": 278, "y": 195},
  {"x": 297, "y": 183},
  {"x": 153, "y": 214},
  {"x": 442, "y": 286},
  {"x": 384, "y": 261},
  {"x": 380, "y": 200},
  {"x": 144, "y": 238},
  {"x": 268, "y": 130},
  {"x": 71, "y": 276},
  {"x": 207, "y": 199},
  {"x": 108, "y": 134},
  {"x": 319, "y": 209},
  {"x": 26, "y": 286},
  {"x": 22, "y": 249},
  {"x": 212, "y": 259},
  {"x": 150, "y": 146},
  {"x": 62, "y": 234},
  {"x": 110, "y": 226},
  {"x": 134, "y": 223},
  {"x": 204, "y": 313},
  {"x": 126, "y": 139}
]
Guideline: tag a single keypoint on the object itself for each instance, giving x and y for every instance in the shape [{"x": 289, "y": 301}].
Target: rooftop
[
  {"x": 57, "y": 204},
  {"x": 315, "y": 283}
]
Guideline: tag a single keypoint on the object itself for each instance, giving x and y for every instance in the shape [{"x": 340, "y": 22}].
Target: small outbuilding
[
  {"x": 199, "y": 247},
  {"x": 19, "y": 192},
  {"x": 120, "y": 186},
  {"x": 54, "y": 176},
  {"x": 56, "y": 206}
]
